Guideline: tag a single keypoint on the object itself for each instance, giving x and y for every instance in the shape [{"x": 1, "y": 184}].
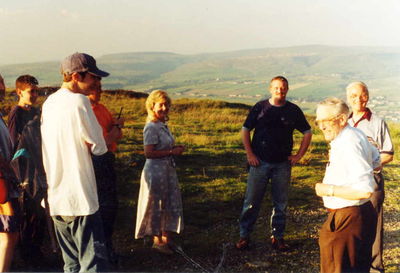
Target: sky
[{"x": 43, "y": 30}]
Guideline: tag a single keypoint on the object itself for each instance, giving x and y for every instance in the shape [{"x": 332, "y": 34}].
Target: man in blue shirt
[{"x": 269, "y": 154}]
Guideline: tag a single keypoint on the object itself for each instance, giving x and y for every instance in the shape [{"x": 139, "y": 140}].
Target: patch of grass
[{"x": 212, "y": 175}]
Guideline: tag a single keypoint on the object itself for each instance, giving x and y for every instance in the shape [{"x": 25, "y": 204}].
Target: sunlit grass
[{"x": 212, "y": 175}]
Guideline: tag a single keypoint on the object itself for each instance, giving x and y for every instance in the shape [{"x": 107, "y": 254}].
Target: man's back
[{"x": 68, "y": 125}]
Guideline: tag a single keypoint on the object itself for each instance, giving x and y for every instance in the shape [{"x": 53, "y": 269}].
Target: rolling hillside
[{"x": 314, "y": 72}]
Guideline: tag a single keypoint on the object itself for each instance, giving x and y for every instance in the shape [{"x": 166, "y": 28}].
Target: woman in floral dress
[{"x": 159, "y": 211}]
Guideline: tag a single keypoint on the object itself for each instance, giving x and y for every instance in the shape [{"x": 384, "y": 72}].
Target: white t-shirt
[
  {"x": 68, "y": 124},
  {"x": 351, "y": 162}
]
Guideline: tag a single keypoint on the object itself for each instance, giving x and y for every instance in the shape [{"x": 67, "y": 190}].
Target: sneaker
[
  {"x": 242, "y": 244},
  {"x": 279, "y": 244}
]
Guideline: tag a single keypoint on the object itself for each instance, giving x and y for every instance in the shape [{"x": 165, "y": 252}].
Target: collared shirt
[
  {"x": 68, "y": 126},
  {"x": 272, "y": 141},
  {"x": 376, "y": 129},
  {"x": 351, "y": 162}
]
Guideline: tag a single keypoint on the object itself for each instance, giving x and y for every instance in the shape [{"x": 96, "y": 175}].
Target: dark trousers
[
  {"x": 377, "y": 199},
  {"x": 346, "y": 239},
  {"x": 33, "y": 230},
  {"x": 107, "y": 192}
]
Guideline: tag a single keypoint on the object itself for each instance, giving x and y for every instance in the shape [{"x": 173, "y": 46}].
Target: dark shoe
[
  {"x": 279, "y": 244},
  {"x": 242, "y": 244},
  {"x": 164, "y": 249}
]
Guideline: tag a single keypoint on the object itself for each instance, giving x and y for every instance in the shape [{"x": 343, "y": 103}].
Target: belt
[{"x": 333, "y": 210}]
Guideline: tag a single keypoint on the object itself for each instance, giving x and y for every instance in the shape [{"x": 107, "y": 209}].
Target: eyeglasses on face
[{"x": 329, "y": 121}]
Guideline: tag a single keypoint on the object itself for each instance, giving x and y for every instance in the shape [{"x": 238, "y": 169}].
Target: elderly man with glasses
[{"x": 347, "y": 235}]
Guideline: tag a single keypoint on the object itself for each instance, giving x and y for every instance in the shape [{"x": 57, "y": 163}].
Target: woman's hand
[{"x": 178, "y": 150}]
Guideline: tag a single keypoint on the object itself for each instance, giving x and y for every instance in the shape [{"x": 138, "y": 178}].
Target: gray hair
[
  {"x": 338, "y": 106},
  {"x": 353, "y": 84}
]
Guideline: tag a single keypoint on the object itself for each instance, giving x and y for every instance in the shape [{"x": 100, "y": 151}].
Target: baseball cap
[{"x": 81, "y": 62}]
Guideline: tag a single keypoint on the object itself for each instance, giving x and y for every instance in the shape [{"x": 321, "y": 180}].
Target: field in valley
[{"x": 212, "y": 175}]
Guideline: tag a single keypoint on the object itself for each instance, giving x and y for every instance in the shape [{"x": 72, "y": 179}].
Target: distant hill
[{"x": 314, "y": 72}]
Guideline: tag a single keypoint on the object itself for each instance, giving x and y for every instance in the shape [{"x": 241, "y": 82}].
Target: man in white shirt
[
  {"x": 378, "y": 134},
  {"x": 70, "y": 134},
  {"x": 347, "y": 235}
]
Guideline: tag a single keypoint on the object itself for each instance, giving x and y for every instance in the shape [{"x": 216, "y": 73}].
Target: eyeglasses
[{"x": 323, "y": 122}]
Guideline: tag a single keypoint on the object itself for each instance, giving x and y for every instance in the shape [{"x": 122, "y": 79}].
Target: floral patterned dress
[{"x": 160, "y": 204}]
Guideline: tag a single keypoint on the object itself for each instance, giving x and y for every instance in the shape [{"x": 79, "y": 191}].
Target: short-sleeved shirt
[
  {"x": 68, "y": 125},
  {"x": 106, "y": 122},
  {"x": 158, "y": 134},
  {"x": 17, "y": 119},
  {"x": 274, "y": 125},
  {"x": 376, "y": 130}
]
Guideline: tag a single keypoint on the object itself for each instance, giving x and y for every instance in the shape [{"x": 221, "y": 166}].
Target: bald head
[
  {"x": 357, "y": 96},
  {"x": 359, "y": 85}
]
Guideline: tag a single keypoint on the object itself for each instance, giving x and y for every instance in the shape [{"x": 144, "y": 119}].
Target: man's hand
[
  {"x": 253, "y": 160},
  {"x": 294, "y": 158},
  {"x": 120, "y": 122},
  {"x": 89, "y": 145},
  {"x": 322, "y": 189}
]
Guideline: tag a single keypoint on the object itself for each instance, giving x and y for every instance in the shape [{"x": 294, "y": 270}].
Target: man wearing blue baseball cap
[{"x": 70, "y": 134}]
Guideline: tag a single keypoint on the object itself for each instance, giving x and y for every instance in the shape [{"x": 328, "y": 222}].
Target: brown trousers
[{"x": 346, "y": 239}]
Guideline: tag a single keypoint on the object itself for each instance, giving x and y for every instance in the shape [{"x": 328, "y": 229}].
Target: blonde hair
[
  {"x": 154, "y": 97},
  {"x": 338, "y": 106},
  {"x": 280, "y": 78}
]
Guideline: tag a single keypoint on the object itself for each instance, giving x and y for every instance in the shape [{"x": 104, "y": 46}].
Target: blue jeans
[
  {"x": 82, "y": 243},
  {"x": 279, "y": 174}
]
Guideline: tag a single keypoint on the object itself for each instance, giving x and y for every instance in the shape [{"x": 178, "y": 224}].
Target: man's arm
[
  {"x": 341, "y": 191},
  {"x": 386, "y": 145},
  {"x": 305, "y": 142},
  {"x": 115, "y": 133},
  {"x": 91, "y": 130},
  {"x": 12, "y": 126},
  {"x": 386, "y": 158},
  {"x": 251, "y": 157}
]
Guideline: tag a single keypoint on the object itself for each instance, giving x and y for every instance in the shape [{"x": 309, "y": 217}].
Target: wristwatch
[{"x": 331, "y": 190}]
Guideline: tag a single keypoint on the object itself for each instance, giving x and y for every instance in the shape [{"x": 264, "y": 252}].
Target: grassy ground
[{"x": 212, "y": 176}]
